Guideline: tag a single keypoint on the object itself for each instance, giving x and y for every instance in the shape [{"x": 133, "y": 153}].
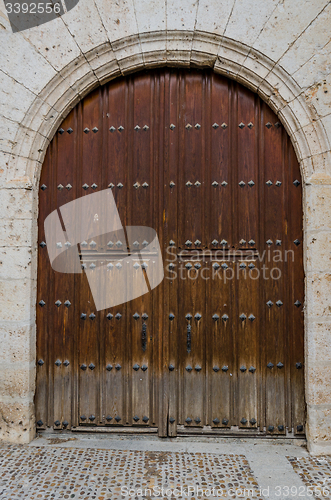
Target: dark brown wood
[{"x": 219, "y": 358}]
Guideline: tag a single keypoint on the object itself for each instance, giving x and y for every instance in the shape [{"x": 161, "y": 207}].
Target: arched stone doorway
[{"x": 227, "y": 354}]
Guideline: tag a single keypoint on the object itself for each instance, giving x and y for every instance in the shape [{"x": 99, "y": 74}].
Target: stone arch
[{"x": 106, "y": 62}]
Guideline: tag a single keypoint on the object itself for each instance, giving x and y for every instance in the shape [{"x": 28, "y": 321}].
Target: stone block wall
[{"x": 280, "y": 49}]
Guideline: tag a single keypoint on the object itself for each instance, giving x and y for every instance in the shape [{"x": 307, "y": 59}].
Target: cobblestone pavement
[
  {"x": 315, "y": 472},
  {"x": 67, "y": 466}
]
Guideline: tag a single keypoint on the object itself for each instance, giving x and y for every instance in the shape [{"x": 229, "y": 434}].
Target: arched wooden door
[{"x": 218, "y": 347}]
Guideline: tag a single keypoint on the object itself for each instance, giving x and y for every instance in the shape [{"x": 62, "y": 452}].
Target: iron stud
[
  {"x": 109, "y": 418},
  {"x": 250, "y": 125},
  {"x": 94, "y": 185},
  {"x": 252, "y": 369},
  {"x": 251, "y": 317},
  {"x": 58, "y": 303},
  {"x": 188, "y": 368},
  {"x": 57, "y": 423},
  {"x": 243, "y": 368},
  {"x": 85, "y": 186},
  {"x": 215, "y": 125},
  {"x": 280, "y": 365},
  {"x": 243, "y": 317},
  {"x": 118, "y": 367},
  {"x": 66, "y": 363},
  {"x": 224, "y": 125},
  {"x": 188, "y": 126},
  {"x": 145, "y": 128},
  {"x": 171, "y": 317},
  {"x": 137, "y": 128},
  {"x": 136, "y": 367},
  {"x": 270, "y": 303},
  {"x": 299, "y": 428},
  {"x": 198, "y": 368},
  {"x": 280, "y": 428},
  {"x": 118, "y": 419},
  {"x": 188, "y": 420},
  {"x": 216, "y": 317},
  {"x": 172, "y": 126},
  {"x": 214, "y": 184},
  {"x": 83, "y": 367},
  {"x": 243, "y": 421},
  {"x": 58, "y": 362},
  {"x": 61, "y": 131},
  {"x": 216, "y": 369},
  {"x": 109, "y": 368},
  {"x": 197, "y": 265},
  {"x": 251, "y": 265},
  {"x": 278, "y": 183},
  {"x": 86, "y": 130},
  {"x": 171, "y": 368},
  {"x": 252, "y": 421},
  {"x": 92, "y": 418},
  {"x": 83, "y": 316},
  {"x": 92, "y": 316},
  {"x": 60, "y": 187},
  {"x": 42, "y": 303},
  {"x": 270, "y": 365},
  {"x": 224, "y": 183},
  {"x": 40, "y": 362},
  {"x": 197, "y": 184},
  {"x": 296, "y": 183},
  {"x": 112, "y": 129},
  {"x": 136, "y": 316},
  {"x": 197, "y": 126},
  {"x": 297, "y": 303},
  {"x": 40, "y": 423},
  {"x": 197, "y": 420},
  {"x": 298, "y": 366},
  {"x": 136, "y": 418},
  {"x": 225, "y": 317},
  {"x": 43, "y": 187},
  {"x": 216, "y": 421},
  {"x": 70, "y": 131},
  {"x": 269, "y": 242},
  {"x": 225, "y": 368},
  {"x": 268, "y": 125},
  {"x": 145, "y": 419},
  {"x": 145, "y": 185},
  {"x": 172, "y": 184},
  {"x": 279, "y": 303},
  {"x": 198, "y": 316},
  {"x": 171, "y": 420},
  {"x": 144, "y": 368},
  {"x": 269, "y": 183},
  {"x": 216, "y": 266},
  {"x": 224, "y": 242},
  {"x": 119, "y": 185},
  {"x": 296, "y": 242},
  {"x": 225, "y": 421},
  {"x": 111, "y": 185},
  {"x": 67, "y": 303},
  {"x": 91, "y": 366},
  {"x": 278, "y": 243},
  {"x": 118, "y": 316},
  {"x": 188, "y": 316},
  {"x": 251, "y": 183},
  {"x": 271, "y": 428},
  {"x": 65, "y": 423},
  {"x": 242, "y": 241},
  {"x": 241, "y": 125},
  {"x": 242, "y": 184}
]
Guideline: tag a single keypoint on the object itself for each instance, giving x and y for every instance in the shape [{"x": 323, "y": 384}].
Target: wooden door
[{"x": 218, "y": 346}]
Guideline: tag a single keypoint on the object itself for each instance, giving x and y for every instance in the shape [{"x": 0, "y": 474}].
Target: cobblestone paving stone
[
  {"x": 314, "y": 472},
  {"x": 66, "y": 473}
]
